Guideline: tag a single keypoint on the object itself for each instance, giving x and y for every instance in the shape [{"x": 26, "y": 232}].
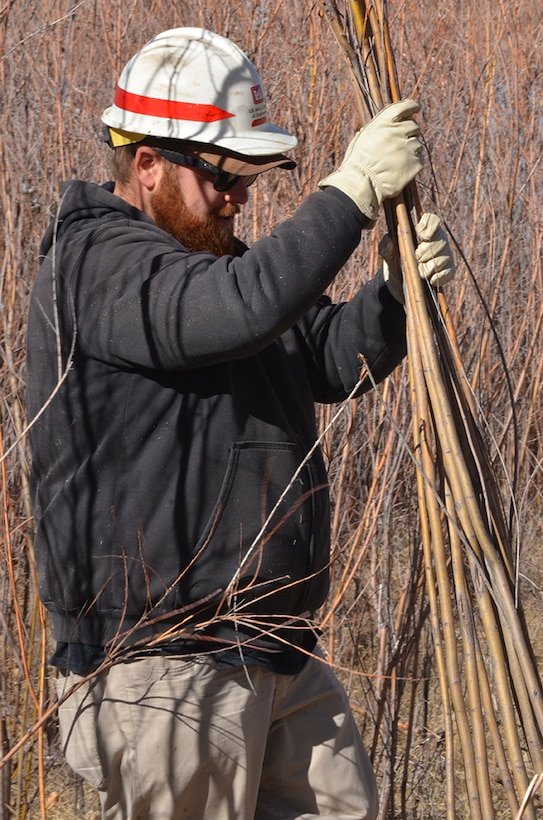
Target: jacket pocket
[{"x": 258, "y": 541}]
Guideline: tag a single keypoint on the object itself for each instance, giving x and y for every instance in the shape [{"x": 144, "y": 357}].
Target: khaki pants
[{"x": 167, "y": 738}]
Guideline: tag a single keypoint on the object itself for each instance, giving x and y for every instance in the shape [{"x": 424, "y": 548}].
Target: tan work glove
[
  {"x": 433, "y": 251},
  {"x": 381, "y": 159},
  {"x": 433, "y": 255}
]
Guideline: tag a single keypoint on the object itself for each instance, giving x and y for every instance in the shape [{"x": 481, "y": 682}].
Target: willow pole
[{"x": 491, "y": 690}]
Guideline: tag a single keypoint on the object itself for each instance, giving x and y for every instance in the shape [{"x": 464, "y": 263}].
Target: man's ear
[{"x": 147, "y": 167}]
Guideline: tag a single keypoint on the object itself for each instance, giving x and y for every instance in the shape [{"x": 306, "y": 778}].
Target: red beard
[{"x": 196, "y": 234}]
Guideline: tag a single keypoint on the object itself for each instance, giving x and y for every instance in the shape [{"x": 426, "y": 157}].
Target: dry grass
[{"x": 476, "y": 69}]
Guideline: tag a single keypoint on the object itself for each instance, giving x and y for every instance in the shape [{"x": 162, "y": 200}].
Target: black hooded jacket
[{"x": 174, "y": 476}]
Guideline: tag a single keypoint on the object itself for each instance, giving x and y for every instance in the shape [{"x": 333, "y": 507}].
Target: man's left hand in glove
[{"x": 433, "y": 255}]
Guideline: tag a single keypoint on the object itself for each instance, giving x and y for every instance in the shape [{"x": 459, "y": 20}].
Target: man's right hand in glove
[{"x": 381, "y": 160}]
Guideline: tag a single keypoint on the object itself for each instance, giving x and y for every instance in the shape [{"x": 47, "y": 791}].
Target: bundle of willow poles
[{"x": 491, "y": 692}]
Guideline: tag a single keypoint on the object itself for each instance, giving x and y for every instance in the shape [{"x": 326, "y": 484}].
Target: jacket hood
[{"x": 82, "y": 201}]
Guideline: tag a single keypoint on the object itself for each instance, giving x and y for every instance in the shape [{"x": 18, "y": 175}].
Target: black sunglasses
[{"x": 223, "y": 180}]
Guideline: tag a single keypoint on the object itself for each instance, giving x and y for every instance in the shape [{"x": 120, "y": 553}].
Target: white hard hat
[{"x": 189, "y": 84}]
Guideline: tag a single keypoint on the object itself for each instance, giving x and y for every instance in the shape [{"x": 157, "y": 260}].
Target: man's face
[{"x": 186, "y": 205}]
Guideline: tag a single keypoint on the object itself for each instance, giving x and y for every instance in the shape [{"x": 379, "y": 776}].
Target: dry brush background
[{"x": 476, "y": 68}]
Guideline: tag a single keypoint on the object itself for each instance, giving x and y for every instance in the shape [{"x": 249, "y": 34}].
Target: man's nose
[{"x": 238, "y": 193}]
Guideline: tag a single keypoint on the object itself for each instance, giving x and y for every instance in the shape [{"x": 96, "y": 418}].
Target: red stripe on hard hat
[{"x": 169, "y": 109}]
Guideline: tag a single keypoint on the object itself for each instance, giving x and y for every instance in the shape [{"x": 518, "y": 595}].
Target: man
[{"x": 181, "y": 508}]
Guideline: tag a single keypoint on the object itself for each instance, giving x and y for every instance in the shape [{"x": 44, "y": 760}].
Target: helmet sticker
[
  {"x": 258, "y": 111},
  {"x": 258, "y": 95},
  {"x": 172, "y": 109}
]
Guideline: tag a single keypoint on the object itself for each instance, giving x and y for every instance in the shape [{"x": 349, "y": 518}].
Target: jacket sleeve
[
  {"x": 141, "y": 300},
  {"x": 337, "y": 340}
]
